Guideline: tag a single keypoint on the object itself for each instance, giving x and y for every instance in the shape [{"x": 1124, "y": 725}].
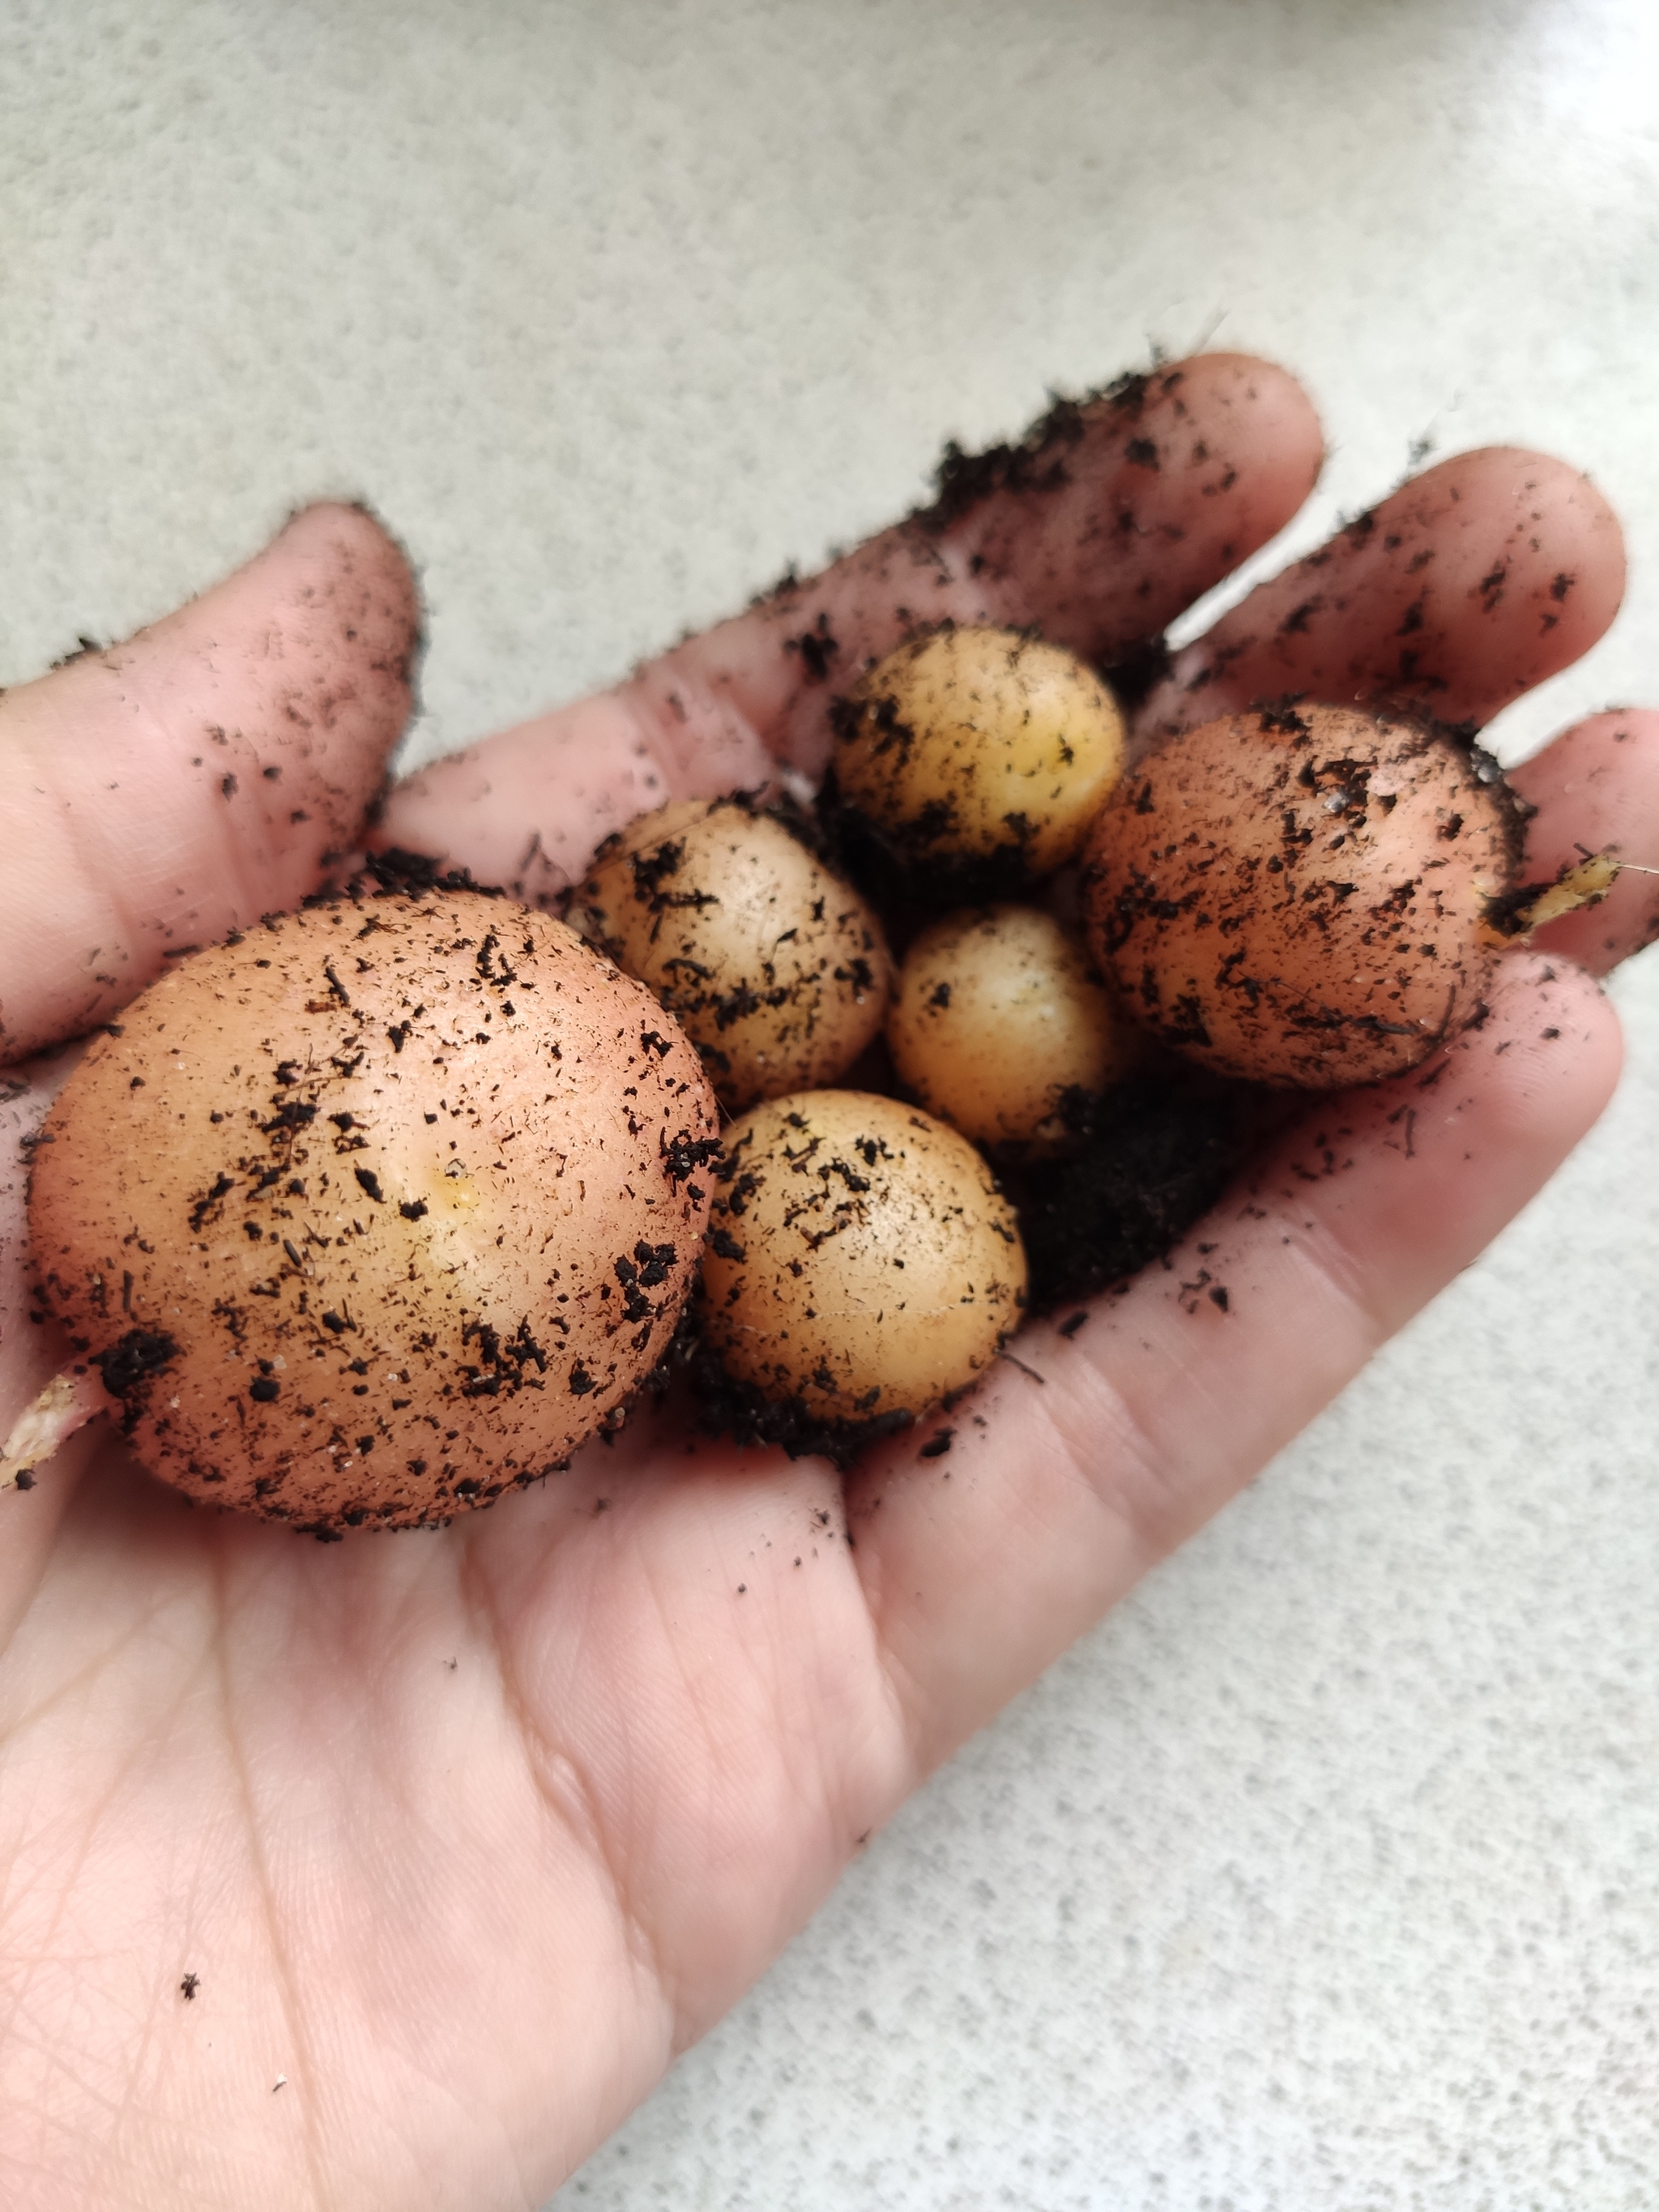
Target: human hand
[{"x": 466, "y": 1833}]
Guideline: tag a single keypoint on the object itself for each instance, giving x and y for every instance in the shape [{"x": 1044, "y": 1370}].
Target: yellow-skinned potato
[
  {"x": 861, "y": 1261},
  {"x": 1000, "y": 1026},
  {"x": 776, "y": 969},
  {"x": 376, "y": 1211},
  {"x": 1303, "y": 898},
  {"x": 979, "y": 752}
]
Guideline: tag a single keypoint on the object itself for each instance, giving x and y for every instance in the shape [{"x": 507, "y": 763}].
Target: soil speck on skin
[{"x": 817, "y": 647}]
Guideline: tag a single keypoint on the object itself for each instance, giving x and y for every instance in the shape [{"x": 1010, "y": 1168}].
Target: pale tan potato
[
  {"x": 776, "y": 969},
  {"x": 1303, "y": 897},
  {"x": 1000, "y": 1026},
  {"x": 377, "y": 1210},
  {"x": 860, "y": 1261},
  {"x": 979, "y": 750}
]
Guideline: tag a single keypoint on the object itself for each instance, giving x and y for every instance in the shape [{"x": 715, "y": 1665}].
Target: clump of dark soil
[
  {"x": 908, "y": 888},
  {"x": 734, "y": 1410},
  {"x": 1038, "y": 462},
  {"x": 1156, "y": 1156}
]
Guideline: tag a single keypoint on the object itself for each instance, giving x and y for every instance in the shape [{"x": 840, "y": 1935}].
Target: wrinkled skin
[{"x": 466, "y": 1833}]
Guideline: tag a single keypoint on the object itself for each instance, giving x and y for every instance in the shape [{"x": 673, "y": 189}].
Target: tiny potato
[
  {"x": 1303, "y": 899},
  {"x": 978, "y": 753},
  {"x": 1000, "y": 1026},
  {"x": 861, "y": 1260},
  {"x": 376, "y": 1211},
  {"x": 777, "y": 969}
]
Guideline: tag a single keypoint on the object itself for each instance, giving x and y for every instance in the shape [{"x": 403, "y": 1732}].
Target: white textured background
[{"x": 1325, "y": 1877}]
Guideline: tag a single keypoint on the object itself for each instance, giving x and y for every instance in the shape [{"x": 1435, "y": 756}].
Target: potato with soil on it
[
  {"x": 777, "y": 969},
  {"x": 378, "y": 1210},
  {"x": 978, "y": 756},
  {"x": 861, "y": 1261},
  {"x": 1304, "y": 898},
  {"x": 1000, "y": 1026}
]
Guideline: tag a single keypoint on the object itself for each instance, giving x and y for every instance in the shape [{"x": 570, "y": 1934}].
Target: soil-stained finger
[
  {"x": 158, "y": 793},
  {"x": 1458, "y": 592},
  {"x": 1596, "y": 789}
]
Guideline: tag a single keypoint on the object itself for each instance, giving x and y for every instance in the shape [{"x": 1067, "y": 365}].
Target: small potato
[
  {"x": 979, "y": 753},
  {"x": 1000, "y": 1026},
  {"x": 1303, "y": 899},
  {"x": 777, "y": 969},
  {"x": 861, "y": 1260},
  {"x": 376, "y": 1211}
]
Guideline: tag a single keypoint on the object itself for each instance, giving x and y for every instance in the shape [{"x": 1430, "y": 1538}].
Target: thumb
[{"x": 155, "y": 795}]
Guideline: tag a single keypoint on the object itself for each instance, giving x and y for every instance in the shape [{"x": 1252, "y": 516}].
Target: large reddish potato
[
  {"x": 1303, "y": 898},
  {"x": 377, "y": 1210}
]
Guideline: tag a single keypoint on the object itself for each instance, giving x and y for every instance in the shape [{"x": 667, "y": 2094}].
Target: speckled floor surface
[{"x": 1323, "y": 1877}]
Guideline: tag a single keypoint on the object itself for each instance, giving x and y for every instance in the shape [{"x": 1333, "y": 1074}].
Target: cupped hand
[{"x": 392, "y": 1872}]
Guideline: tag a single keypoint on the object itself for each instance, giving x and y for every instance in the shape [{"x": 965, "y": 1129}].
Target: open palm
[{"x": 459, "y": 1836}]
